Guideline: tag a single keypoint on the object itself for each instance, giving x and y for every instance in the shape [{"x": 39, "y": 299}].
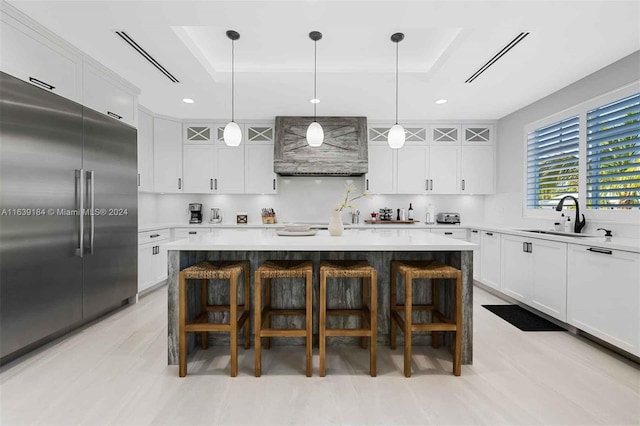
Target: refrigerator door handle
[
  {"x": 80, "y": 185},
  {"x": 91, "y": 180}
]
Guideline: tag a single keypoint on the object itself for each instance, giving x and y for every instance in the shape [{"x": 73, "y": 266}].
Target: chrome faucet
[{"x": 578, "y": 224}]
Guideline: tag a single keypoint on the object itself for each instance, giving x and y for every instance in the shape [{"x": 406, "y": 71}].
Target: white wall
[
  {"x": 303, "y": 199},
  {"x": 506, "y": 207}
]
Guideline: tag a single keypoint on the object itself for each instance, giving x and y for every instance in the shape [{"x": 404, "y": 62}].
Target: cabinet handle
[
  {"x": 41, "y": 83},
  {"x": 114, "y": 115},
  {"x": 154, "y": 236},
  {"x": 211, "y": 184},
  {"x": 431, "y": 182},
  {"x": 274, "y": 184},
  {"x": 215, "y": 184},
  {"x": 463, "y": 184},
  {"x": 179, "y": 183},
  {"x": 426, "y": 184},
  {"x": 192, "y": 232},
  {"x": 529, "y": 247},
  {"x": 475, "y": 231},
  {"x": 599, "y": 250},
  {"x": 367, "y": 184},
  {"x": 525, "y": 247},
  {"x": 448, "y": 233},
  {"x": 489, "y": 234},
  {"x": 138, "y": 179}
]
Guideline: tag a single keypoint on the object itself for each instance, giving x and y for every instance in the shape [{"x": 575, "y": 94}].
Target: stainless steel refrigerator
[{"x": 68, "y": 223}]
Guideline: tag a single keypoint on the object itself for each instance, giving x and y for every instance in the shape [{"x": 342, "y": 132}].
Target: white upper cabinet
[
  {"x": 444, "y": 134},
  {"x": 145, "y": 152},
  {"x": 229, "y": 169},
  {"x": 259, "y": 177},
  {"x": 477, "y": 169},
  {"x": 167, "y": 156},
  {"x": 31, "y": 57},
  {"x": 210, "y": 166},
  {"x": 477, "y": 134},
  {"x": 412, "y": 169},
  {"x": 380, "y": 178},
  {"x": 105, "y": 96},
  {"x": 444, "y": 166},
  {"x": 198, "y": 169}
]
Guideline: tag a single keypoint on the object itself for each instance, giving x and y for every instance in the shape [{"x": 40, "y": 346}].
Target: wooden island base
[{"x": 344, "y": 293}]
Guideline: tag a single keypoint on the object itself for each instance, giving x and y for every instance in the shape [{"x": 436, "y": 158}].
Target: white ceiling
[{"x": 446, "y": 42}]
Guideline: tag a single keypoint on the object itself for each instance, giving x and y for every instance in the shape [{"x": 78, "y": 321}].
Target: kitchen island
[{"x": 378, "y": 246}]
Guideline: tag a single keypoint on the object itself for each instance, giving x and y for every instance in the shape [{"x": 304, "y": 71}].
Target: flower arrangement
[{"x": 349, "y": 197}]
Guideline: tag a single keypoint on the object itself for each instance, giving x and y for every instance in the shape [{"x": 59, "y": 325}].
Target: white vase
[{"x": 335, "y": 224}]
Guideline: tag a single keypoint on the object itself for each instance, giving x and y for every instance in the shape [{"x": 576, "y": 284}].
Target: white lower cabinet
[
  {"x": 490, "y": 259},
  {"x": 603, "y": 294},
  {"x": 534, "y": 271},
  {"x": 180, "y": 233},
  {"x": 152, "y": 258}
]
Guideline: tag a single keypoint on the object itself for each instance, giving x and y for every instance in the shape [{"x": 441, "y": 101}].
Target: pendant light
[
  {"x": 396, "y": 136},
  {"x": 315, "y": 134},
  {"x": 232, "y": 135}
]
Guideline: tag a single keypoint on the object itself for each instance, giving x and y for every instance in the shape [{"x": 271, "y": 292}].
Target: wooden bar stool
[
  {"x": 368, "y": 312},
  {"x": 218, "y": 270},
  {"x": 435, "y": 271},
  {"x": 262, "y": 315}
]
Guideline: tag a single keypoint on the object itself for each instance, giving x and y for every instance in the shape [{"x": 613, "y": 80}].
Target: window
[
  {"x": 552, "y": 163},
  {"x": 613, "y": 155}
]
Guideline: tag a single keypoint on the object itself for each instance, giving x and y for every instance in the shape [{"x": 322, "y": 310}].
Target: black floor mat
[{"x": 523, "y": 319}]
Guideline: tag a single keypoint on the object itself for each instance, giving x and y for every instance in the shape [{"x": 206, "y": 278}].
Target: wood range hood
[{"x": 343, "y": 153}]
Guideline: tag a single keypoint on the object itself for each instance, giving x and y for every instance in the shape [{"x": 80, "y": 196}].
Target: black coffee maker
[{"x": 196, "y": 212}]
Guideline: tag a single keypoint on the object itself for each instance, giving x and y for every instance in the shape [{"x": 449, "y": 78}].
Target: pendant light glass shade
[
  {"x": 232, "y": 134},
  {"x": 315, "y": 134},
  {"x": 396, "y": 137}
]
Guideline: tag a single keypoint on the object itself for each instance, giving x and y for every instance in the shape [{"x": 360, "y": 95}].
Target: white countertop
[
  {"x": 613, "y": 243},
  {"x": 419, "y": 225},
  {"x": 352, "y": 240}
]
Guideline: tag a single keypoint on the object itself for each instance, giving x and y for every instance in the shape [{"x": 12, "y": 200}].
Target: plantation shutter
[
  {"x": 613, "y": 155},
  {"x": 552, "y": 163}
]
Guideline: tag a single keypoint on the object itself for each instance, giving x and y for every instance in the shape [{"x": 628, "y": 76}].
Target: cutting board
[{"x": 384, "y": 222}]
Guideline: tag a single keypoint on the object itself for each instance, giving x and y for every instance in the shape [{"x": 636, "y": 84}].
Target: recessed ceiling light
[
  {"x": 315, "y": 101},
  {"x": 188, "y": 101},
  {"x": 441, "y": 101}
]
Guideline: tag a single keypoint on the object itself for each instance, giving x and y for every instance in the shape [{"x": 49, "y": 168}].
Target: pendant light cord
[
  {"x": 233, "y": 43},
  {"x": 397, "y": 82},
  {"x": 315, "y": 78}
]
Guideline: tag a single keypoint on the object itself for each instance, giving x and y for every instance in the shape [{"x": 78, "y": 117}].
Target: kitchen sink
[{"x": 561, "y": 234}]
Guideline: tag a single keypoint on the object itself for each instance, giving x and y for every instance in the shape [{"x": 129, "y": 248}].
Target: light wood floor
[{"x": 115, "y": 372}]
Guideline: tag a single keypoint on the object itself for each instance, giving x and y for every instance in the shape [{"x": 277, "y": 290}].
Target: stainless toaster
[{"x": 448, "y": 218}]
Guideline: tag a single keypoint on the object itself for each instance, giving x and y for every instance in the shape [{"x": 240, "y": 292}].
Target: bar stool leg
[
  {"x": 309, "y": 320},
  {"x": 457, "y": 350},
  {"x": 204, "y": 294},
  {"x": 267, "y": 306},
  {"x": 408, "y": 300},
  {"x": 373, "y": 321},
  {"x": 323, "y": 321},
  {"x": 257, "y": 324},
  {"x": 246, "y": 285},
  {"x": 182, "y": 320},
  {"x": 393, "y": 324},
  {"x": 233, "y": 323},
  {"x": 435, "y": 296},
  {"x": 365, "y": 301}
]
